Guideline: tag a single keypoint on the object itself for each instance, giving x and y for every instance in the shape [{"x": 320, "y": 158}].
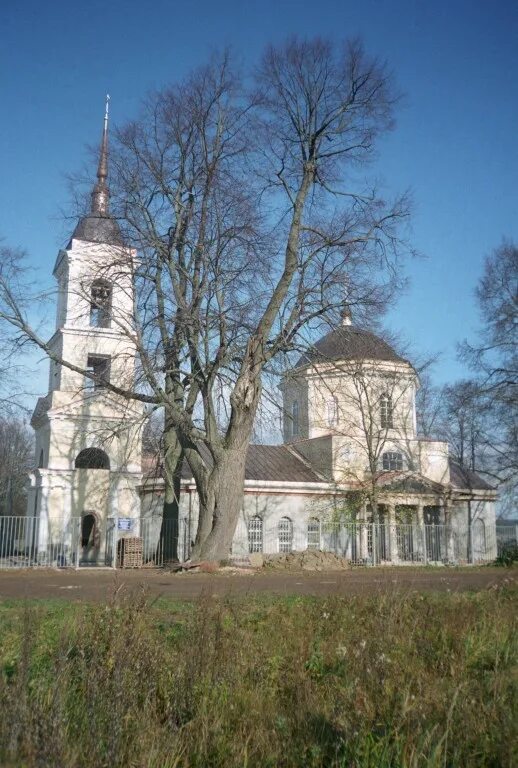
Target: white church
[{"x": 350, "y": 436}]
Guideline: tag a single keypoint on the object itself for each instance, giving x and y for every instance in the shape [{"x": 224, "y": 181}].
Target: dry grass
[{"x": 392, "y": 680}]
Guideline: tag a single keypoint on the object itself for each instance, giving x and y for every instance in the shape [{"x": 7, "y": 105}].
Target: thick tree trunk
[
  {"x": 173, "y": 458},
  {"x": 220, "y": 512},
  {"x": 221, "y": 497}
]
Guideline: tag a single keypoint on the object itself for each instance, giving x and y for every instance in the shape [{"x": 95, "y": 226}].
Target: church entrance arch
[{"x": 90, "y": 538}]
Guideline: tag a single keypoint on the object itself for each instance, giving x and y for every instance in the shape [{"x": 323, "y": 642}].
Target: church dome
[
  {"x": 98, "y": 229},
  {"x": 349, "y": 343}
]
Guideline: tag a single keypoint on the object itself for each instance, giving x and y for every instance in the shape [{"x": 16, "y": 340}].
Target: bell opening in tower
[{"x": 100, "y": 304}]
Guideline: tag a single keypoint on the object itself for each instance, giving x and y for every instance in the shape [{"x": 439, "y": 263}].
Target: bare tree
[
  {"x": 464, "y": 423},
  {"x": 248, "y": 209},
  {"x": 429, "y": 407},
  {"x": 14, "y": 364},
  {"x": 16, "y": 454},
  {"x": 494, "y": 360},
  {"x": 495, "y": 356}
]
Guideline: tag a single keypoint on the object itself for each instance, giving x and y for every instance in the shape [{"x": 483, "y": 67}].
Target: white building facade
[
  {"x": 88, "y": 439},
  {"x": 351, "y": 476}
]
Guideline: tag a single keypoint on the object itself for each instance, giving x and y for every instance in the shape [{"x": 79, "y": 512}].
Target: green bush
[
  {"x": 508, "y": 555},
  {"x": 393, "y": 680}
]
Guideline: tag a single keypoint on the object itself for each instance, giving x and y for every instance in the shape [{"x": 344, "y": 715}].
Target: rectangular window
[
  {"x": 386, "y": 412},
  {"x": 99, "y": 367},
  {"x": 255, "y": 534},
  {"x": 392, "y": 461},
  {"x": 332, "y": 412},
  {"x": 295, "y": 419},
  {"x": 314, "y": 533}
]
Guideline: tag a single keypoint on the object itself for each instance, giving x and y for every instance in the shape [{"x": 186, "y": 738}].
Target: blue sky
[{"x": 455, "y": 143}]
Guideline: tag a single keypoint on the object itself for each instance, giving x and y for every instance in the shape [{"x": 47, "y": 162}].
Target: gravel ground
[{"x": 98, "y": 584}]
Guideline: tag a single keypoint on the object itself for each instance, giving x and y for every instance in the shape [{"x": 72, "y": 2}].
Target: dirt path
[{"x": 99, "y": 584}]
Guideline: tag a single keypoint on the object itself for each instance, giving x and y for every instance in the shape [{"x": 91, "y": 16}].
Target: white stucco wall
[{"x": 483, "y": 529}]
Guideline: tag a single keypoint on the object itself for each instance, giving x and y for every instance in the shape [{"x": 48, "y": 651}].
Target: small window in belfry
[
  {"x": 98, "y": 366},
  {"x": 100, "y": 304}
]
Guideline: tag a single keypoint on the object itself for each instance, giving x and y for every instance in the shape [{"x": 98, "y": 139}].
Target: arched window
[
  {"x": 92, "y": 458},
  {"x": 313, "y": 533},
  {"x": 332, "y": 411},
  {"x": 100, "y": 304},
  {"x": 285, "y": 534},
  {"x": 255, "y": 534},
  {"x": 295, "y": 426},
  {"x": 479, "y": 539},
  {"x": 89, "y": 532},
  {"x": 386, "y": 412},
  {"x": 392, "y": 460}
]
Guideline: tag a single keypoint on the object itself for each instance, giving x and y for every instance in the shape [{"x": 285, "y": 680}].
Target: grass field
[{"x": 395, "y": 679}]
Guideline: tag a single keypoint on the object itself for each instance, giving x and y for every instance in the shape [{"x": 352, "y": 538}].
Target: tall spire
[{"x": 101, "y": 193}]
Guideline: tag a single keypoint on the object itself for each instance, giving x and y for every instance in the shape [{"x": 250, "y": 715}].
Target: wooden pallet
[{"x": 130, "y": 552}]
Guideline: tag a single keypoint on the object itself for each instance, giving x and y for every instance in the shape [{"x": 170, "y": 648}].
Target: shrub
[{"x": 508, "y": 555}]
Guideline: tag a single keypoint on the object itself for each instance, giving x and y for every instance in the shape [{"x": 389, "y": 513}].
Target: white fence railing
[{"x": 83, "y": 542}]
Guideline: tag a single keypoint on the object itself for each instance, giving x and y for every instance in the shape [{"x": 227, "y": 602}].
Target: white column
[
  {"x": 448, "y": 531},
  {"x": 421, "y": 533},
  {"x": 363, "y": 533},
  {"x": 43, "y": 519},
  {"x": 391, "y": 512}
]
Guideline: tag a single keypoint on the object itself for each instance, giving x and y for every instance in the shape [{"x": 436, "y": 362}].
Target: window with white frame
[
  {"x": 255, "y": 534},
  {"x": 285, "y": 534},
  {"x": 332, "y": 411},
  {"x": 386, "y": 419},
  {"x": 313, "y": 533},
  {"x": 392, "y": 460},
  {"x": 295, "y": 426}
]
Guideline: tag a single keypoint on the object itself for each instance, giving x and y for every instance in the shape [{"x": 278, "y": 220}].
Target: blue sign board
[{"x": 125, "y": 524}]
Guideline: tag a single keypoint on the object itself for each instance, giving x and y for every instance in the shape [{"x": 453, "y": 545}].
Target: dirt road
[{"x": 100, "y": 584}]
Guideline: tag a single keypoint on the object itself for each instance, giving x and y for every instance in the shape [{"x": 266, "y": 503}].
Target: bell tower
[{"x": 88, "y": 446}]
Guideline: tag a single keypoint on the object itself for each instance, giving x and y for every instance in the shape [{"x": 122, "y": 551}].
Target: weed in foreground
[{"x": 393, "y": 680}]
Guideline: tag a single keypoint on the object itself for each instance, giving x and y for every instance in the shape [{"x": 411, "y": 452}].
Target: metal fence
[
  {"x": 362, "y": 543},
  {"x": 33, "y": 541},
  {"x": 506, "y": 537},
  {"x": 83, "y": 542}
]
